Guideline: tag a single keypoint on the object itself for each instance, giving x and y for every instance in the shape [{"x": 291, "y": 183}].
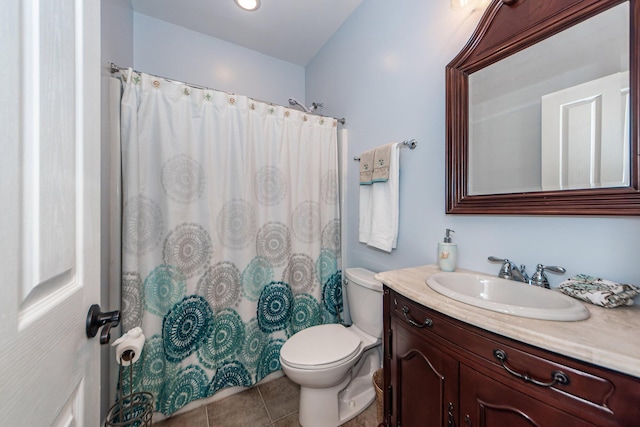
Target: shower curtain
[{"x": 231, "y": 234}]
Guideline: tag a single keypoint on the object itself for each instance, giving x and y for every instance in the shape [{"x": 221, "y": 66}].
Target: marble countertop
[{"x": 609, "y": 338}]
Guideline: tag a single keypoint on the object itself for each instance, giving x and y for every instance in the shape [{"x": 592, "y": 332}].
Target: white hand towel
[
  {"x": 365, "y": 213},
  {"x": 384, "y": 205}
]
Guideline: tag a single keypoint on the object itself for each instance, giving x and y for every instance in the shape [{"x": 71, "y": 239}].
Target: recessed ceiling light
[{"x": 249, "y": 5}]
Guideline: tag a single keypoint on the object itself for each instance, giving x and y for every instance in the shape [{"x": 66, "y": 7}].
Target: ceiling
[{"x": 291, "y": 30}]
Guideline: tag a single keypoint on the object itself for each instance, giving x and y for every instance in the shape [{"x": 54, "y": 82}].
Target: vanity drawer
[
  {"x": 421, "y": 319},
  {"x": 542, "y": 373},
  {"x": 571, "y": 385}
]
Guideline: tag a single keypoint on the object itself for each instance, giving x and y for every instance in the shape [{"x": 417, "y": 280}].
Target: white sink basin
[{"x": 508, "y": 296}]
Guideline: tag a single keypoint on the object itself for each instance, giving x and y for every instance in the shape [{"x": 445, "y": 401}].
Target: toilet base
[{"x": 333, "y": 406}]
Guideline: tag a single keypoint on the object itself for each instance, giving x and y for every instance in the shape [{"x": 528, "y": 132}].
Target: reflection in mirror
[{"x": 554, "y": 116}]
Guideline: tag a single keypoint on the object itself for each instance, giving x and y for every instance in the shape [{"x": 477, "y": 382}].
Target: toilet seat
[{"x": 320, "y": 347}]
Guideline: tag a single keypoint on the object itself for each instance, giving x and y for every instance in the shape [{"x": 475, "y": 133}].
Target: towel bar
[{"x": 411, "y": 143}]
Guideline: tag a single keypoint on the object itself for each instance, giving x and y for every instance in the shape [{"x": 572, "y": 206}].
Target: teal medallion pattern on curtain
[
  {"x": 230, "y": 375},
  {"x": 186, "y": 327},
  {"x": 225, "y": 341},
  {"x": 332, "y": 298},
  {"x": 304, "y": 313},
  {"x": 163, "y": 287},
  {"x": 189, "y": 384},
  {"x": 274, "y": 307},
  {"x": 231, "y": 235}
]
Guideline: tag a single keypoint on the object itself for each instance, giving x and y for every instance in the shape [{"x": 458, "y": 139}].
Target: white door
[
  {"x": 50, "y": 216},
  {"x": 585, "y": 135}
]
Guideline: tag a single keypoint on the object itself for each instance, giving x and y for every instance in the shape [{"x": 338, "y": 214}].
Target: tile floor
[{"x": 271, "y": 404}]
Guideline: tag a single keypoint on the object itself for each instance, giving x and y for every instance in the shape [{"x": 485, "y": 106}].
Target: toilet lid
[{"x": 320, "y": 345}]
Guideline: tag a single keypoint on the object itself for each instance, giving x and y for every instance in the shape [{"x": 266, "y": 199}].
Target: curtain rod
[
  {"x": 411, "y": 143},
  {"x": 113, "y": 68}
]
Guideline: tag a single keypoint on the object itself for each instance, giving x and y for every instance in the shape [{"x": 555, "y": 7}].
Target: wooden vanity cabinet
[
  {"x": 487, "y": 402},
  {"x": 423, "y": 378},
  {"x": 442, "y": 372}
]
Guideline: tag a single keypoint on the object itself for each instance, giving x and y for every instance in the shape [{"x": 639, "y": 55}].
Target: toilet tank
[{"x": 364, "y": 294}]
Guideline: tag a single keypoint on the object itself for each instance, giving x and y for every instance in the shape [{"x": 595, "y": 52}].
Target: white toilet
[{"x": 334, "y": 364}]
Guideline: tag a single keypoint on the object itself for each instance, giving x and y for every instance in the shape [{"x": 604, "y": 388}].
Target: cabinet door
[
  {"x": 424, "y": 380},
  {"x": 485, "y": 402}
]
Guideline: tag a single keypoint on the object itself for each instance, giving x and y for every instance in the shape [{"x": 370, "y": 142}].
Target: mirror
[
  {"x": 559, "y": 122},
  {"x": 538, "y": 111}
]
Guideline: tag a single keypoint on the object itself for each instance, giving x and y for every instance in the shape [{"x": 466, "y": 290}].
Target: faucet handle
[
  {"x": 506, "y": 271},
  {"x": 525, "y": 276},
  {"x": 540, "y": 279}
]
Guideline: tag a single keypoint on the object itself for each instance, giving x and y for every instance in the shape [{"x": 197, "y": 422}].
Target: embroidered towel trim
[
  {"x": 366, "y": 167},
  {"x": 381, "y": 160},
  {"x": 599, "y": 291}
]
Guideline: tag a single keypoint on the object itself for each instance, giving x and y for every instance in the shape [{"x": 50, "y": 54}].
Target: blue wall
[
  {"x": 384, "y": 72},
  {"x": 176, "y": 52}
]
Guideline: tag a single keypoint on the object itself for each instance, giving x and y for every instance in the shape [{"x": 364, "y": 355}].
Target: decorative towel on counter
[
  {"x": 381, "y": 159},
  {"x": 599, "y": 291},
  {"x": 379, "y": 206},
  {"x": 366, "y": 167}
]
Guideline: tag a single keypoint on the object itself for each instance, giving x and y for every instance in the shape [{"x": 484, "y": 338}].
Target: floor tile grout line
[
  {"x": 288, "y": 414},
  {"x": 265, "y": 405},
  {"x": 206, "y": 414},
  {"x": 285, "y": 416}
]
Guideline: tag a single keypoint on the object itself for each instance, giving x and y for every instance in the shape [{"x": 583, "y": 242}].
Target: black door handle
[{"x": 96, "y": 319}]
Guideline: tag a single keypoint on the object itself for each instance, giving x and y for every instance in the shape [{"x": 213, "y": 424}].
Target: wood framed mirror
[{"x": 508, "y": 30}]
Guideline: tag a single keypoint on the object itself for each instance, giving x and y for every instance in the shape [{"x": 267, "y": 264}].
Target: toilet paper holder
[
  {"x": 96, "y": 319},
  {"x": 132, "y": 408}
]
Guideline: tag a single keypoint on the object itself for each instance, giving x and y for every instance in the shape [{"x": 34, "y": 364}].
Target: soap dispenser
[{"x": 447, "y": 253}]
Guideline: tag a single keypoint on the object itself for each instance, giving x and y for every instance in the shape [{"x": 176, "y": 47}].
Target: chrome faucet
[
  {"x": 540, "y": 279},
  {"x": 510, "y": 271}
]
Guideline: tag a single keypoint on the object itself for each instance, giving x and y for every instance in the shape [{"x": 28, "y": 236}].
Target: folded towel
[
  {"x": 366, "y": 167},
  {"x": 379, "y": 205},
  {"x": 381, "y": 158},
  {"x": 599, "y": 291},
  {"x": 364, "y": 229}
]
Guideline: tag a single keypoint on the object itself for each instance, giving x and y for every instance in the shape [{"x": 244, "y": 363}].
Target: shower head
[{"x": 293, "y": 102}]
